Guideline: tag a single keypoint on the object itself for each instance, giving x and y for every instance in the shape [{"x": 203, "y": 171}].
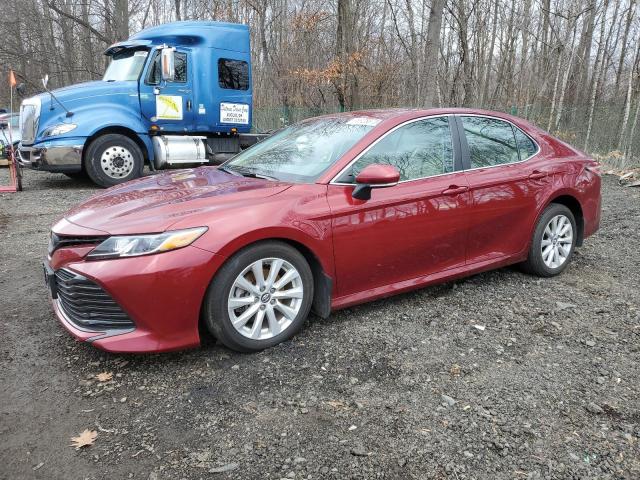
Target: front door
[
  {"x": 169, "y": 105},
  {"x": 408, "y": 231}
]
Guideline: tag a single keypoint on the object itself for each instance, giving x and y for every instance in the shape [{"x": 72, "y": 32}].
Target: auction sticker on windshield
[
  {"x": 234, "y": 113},
  {"x": 169, "y": 107}
]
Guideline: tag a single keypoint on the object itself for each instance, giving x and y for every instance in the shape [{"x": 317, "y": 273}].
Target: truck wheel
[{"x": 112, "y": 159}]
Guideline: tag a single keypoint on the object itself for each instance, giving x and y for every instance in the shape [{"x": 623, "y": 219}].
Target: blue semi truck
[{"x": 173, "y": 95}]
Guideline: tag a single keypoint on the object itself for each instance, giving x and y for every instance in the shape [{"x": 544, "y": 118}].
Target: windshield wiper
[
  {"x": 229, "y": 170},
  {"x": 245, "y": 172}
]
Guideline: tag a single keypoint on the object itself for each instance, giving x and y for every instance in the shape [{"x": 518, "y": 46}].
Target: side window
[
  {"x": 233, "y": 74},
  {"x": 419, "y": 149},
  {"x": 526, "y": 146},
  {"x": 491, "y": 141},
  {"x": 181, "y": 68},
  {"x": 154, "y": 76}
]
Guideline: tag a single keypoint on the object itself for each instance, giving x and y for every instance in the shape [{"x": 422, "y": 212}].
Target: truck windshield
[
  {"x": 125, "y": 66},
  {"x": 301, "y": 152}
]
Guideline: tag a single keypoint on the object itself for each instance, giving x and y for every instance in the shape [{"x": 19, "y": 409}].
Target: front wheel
[
  {"x": 112, "y": 159},
  {"x": 260, "y": 297},
  {"x": 553, "y": 242}
]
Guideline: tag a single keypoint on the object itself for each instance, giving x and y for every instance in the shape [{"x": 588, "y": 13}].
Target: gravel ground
[{"x": 402, "y": 388}]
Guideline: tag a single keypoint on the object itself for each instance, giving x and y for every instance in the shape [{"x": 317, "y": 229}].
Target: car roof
[{"x": 402, "y": 114}]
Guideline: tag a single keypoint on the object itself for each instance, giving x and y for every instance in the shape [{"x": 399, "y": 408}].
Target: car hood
[
  {"x": 154, "y": 203},
  {"x": 96, "y": 88}
]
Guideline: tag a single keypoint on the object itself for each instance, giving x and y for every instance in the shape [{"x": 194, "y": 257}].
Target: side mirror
[
  {"x": 45, "y": 81},
  {"x": 3, "y": 125},
  {"x": 168, "y": 63},
  {"x": 375, "y": 176},
  {"x": 21, "y": 89}
]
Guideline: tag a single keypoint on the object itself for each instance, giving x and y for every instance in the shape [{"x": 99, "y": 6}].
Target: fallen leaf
[
  {"x": 104, "y": 376},
  {"x": 85, "y": 439},
  {"x": 337, "y": 404},
  {"x": 455, "y": 370}
]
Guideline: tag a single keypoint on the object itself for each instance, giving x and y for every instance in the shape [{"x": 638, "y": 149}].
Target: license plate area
[{"x": 50, "y": 280}]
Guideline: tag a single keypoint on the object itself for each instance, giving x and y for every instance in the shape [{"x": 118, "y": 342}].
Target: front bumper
[
  {"x": 162, "y": 294},
  {"x": 63, "y": 156}
]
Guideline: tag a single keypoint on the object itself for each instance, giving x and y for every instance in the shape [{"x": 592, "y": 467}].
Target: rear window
[
  {"x": 526, "y": 146},
  {"x": 233, "y": 74}
]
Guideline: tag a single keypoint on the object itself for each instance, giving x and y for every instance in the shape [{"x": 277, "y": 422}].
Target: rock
[
  {"x": 467, "y": 454},
  {"x": 594, "y": 408},
  {"x": 446, "y": 399},
  {"x": 235, "y": 367},
  {"x": 225, "y": 468},
  {"x": 299, "y": 460},
  {"x": 564, "y": 305},
  {"x": 590, "y": 343},
  {"x": 359, "y": 451}
]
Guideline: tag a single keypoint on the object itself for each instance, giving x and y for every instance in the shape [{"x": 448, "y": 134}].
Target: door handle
[
  {"x": 188, "y": 105},
  {"x": 537, "y": 175},
  {"x": 455, "y": 190}
]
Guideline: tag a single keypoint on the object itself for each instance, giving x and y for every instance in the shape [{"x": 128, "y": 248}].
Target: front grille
[
  {"x": 87, "y": 305},
  {"x": 29, "y": 116},
  {"x": 61, "y": 241}
]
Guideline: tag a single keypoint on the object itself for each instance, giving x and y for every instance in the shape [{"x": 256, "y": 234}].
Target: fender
[
  {"x": 319, "y": 247},
  {"x": 105, "y": 116}
]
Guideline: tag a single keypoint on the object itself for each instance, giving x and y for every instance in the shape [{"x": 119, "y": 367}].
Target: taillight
[{"x": 595, "y": 168}]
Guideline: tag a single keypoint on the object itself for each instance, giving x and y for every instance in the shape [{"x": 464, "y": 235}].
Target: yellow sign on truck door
[{"x": 169, "y": 107}]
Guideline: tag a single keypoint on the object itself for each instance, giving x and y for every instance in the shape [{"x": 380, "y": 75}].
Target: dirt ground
[{"x": 402, "y": 388}]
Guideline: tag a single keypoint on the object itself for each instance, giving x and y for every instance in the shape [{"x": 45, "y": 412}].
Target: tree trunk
[{"x": 431, "y": 53}]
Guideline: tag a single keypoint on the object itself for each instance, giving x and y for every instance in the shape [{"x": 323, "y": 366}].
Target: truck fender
[{"x": 110, "y": 118}]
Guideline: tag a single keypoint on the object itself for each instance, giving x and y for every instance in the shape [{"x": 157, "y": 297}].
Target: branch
[{"x": 79, "y": 21}]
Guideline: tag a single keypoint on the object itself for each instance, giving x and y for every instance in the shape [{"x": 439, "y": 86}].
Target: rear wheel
[
  {"x": 553, "y": 242},
  {"x": 112, "y": 159},
  {"x": 260, "y": 297}
]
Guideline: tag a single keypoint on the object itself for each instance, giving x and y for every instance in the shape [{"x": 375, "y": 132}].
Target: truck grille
[
  {"x": 29, "y": 116},
  {"x": 87, "y": 305}
]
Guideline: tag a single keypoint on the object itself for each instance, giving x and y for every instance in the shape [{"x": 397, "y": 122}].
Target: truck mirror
[
  {"x": 45, "y": 81},
  {"x": 168, "y": 64},
  {"x": 21, "y": 88}
]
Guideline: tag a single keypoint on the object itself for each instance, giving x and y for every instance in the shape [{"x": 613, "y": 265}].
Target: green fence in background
[{"x": 573, "y": 125}]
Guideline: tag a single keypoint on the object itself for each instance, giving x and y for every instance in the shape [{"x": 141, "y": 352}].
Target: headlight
[
  {"x": 134, "y": 245},
  {"x": 60, "y": 129}
]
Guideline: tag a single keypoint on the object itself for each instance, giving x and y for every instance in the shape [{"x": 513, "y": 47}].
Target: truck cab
[{"x": 175, "y": 94}]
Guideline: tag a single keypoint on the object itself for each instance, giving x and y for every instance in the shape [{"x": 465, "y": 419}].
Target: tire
[
  {"x": 112, "y": 159},
  {"x": 264, "y": 323},
  {"x": 551, "y": 264}
]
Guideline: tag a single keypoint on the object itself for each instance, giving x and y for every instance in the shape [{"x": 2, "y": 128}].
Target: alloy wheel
[
  {"x": 265, "y": 298},
  {"x": 557, "y": 241},
  {"x": 117, "y": 162}
]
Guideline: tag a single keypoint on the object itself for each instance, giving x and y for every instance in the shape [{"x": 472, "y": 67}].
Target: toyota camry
[{"x": 325, "y": 214}]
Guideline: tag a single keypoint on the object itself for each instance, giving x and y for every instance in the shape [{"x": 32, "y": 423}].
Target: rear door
[
  {"x": 503, "y": 196},
  {"x": 408, "y": 231},
  {"x": 168, "y": 104}
]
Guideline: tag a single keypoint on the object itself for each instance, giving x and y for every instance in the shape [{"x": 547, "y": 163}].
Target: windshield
[
  {"x": 125, "y": 66},
  {"x": 302, "y": 152}
]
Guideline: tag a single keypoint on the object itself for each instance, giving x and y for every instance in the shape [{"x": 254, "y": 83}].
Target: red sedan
[{"x": 327, "y": 213}]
